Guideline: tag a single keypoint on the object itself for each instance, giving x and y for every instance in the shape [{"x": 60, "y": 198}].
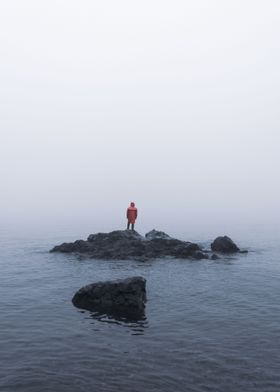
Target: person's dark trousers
[{"x": 128, "y": 226}]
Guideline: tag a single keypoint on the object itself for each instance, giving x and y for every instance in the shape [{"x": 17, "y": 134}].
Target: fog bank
[{"x": 173, "y": 105}]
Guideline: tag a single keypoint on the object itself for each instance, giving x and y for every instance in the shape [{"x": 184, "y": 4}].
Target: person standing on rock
[{"x": 131, "y": 215}]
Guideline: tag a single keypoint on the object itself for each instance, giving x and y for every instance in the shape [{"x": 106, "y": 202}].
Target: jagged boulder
[
  {"x": 198, "y": 255},
  {"x": 122, "y": 297},
  {"x": 224, "y": 245},
  {"x": 157, "y": 235}
]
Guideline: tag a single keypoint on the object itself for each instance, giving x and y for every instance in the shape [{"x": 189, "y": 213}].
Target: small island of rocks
[{"x": 130, "y": 245}]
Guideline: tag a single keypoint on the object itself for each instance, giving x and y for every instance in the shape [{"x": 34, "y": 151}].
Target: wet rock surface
[
  {"x": 122, "y": 297},
  {"x": 129, "y": 244},
  {"x": 224, "y": 245},
  {"x": 157, "y": 235}
]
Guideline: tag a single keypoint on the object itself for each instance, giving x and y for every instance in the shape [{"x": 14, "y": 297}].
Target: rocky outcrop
[
  {"x": 157, "y": 235},
  {"x": 124, "y": 297},
  {"x": 224, "y": 245},
  {"x": 129, "y": 244}
]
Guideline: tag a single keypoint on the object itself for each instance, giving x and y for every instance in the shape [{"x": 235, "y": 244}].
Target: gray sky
[{"x": 171, "y": 104}]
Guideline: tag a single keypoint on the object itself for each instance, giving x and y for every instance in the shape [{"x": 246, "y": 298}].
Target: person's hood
[{"x": 132, "y": 204}]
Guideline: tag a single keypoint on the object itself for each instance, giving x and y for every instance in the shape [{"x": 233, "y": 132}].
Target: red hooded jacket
[{"x": 131, "y": 213}]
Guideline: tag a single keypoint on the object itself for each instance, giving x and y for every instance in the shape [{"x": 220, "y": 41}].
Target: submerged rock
[
  {"x": 129, "y": 244},
  {"x": 214, "y": 257},
  {"x": 122, "y": 297},
  {"x": 224, "y": 245}
]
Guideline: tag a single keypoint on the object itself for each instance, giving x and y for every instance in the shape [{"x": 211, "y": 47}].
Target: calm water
[{"x": 210, "y": 326}]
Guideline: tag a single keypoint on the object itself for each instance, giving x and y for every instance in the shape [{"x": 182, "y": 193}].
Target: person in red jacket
[{"x": 131, "y": 215}]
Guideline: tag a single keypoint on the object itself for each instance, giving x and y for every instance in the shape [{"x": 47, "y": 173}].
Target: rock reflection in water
[{"x": 135, "y": 322}]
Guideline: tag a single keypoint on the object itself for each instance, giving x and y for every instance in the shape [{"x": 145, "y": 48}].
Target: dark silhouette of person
[{"x": 131, "y": 215}]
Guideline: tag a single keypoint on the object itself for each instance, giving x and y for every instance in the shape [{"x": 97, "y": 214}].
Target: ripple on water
[{"x": 208, "y": 325}]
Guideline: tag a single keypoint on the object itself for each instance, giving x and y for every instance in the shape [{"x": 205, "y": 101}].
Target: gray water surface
[{"x": 209, "y": 325}]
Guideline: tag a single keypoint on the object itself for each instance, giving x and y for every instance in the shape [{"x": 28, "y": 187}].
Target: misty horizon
[{"x": 175, "y": 109}]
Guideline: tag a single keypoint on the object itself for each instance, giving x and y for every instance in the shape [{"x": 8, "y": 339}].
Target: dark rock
[
  {"x": 215, "y": 257},
  {"x": 224, "y": 245},
  {"x": 129, "y": 244},
  {"x": 123, "y": 297},
  {"x": 66, "y": 247},
  {"x": 198, "y": 255},
  {"x": 114, "y": 236},
  {"x": 157, "y": 235},
  {"x": 184, "y": 251}
]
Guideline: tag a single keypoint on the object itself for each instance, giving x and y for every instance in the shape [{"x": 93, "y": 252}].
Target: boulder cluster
[{"x": 128, "y": 244}]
